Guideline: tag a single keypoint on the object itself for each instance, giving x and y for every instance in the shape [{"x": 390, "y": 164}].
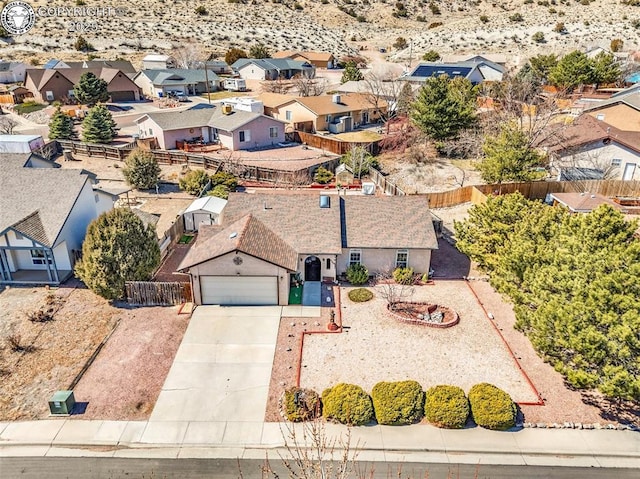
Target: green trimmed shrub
[
  {"x": 347, "y": 404},
  {"x": 446, "y": 406},
  {"x": 194, "y": 181},
  {"x": 357, "y": 274},
  {"x": 398, "y": 403},
  {"x": 491, "y": 407},
  {"x": 360, "y": 295},
  {"x": 403, "y": 275},
  {"x": 305, "y": 408}
]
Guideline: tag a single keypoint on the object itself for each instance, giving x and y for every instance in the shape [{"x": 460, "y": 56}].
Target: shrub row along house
[
  {"x": 263, "y": 241},
  {"x": 44, "y": 214}
]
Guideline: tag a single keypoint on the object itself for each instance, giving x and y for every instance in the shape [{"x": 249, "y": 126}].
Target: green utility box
[{"x": 61, "y": 403}]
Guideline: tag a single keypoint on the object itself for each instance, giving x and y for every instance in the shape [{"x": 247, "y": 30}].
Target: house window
[
  {"x": 600, "y": 116},
  {"x": 616, "y": 162},
  {"x": 328, "y": 263},
  {"x": 245, "y": 135},
  {"x": 402, "y": 258},
  {"x": 49, "y": 95},
  {"x": 355, "y": 257},
  {"x": 37, "y": 257},
  {"x": 273, "y": 132},
  {"x": 327, "y": 118},
  {"x": 287, "y": 115},
  {"x": 96, "y": 198}
]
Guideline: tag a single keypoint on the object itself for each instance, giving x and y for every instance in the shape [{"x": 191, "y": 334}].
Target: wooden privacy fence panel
[
  {"x": 385, "y": 185},
  {"x": 334, "y": 145},
  {"x": 147, "y": 293},
  {"x": 450, "y": 198}
]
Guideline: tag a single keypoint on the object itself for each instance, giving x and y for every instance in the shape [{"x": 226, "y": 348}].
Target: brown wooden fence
[
  {"x": 102, "y": 151},
  {"x": 334, "y": 145},
  {"x": 147, "y": 293},
  {"x": 385, "y": 185}
]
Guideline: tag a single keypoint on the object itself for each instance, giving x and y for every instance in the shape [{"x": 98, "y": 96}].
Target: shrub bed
[
  {"x": 347, "y": 404},
  {"x": 491, "y": 407},
  {"x": 398, "y": 403},
  {"x": 357, "y": 274},
  {"x": 360, "y": 295},
  {"x": 299, "y": 404},
  {"x": 446, "y": 406},
  {"x": 403, "y": 276}
]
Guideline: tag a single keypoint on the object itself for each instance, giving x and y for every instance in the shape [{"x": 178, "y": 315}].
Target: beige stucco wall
[
  {"x": 251, "y": 266},
  {"x": 299, "y": 114},
  {"x": 600, "y": 156},
  {"x": 378, "y": 260},
  {"x": 121, "y": 82},
  {"x": 622, "y": 117},
  {"x": 325, "y": 272}
]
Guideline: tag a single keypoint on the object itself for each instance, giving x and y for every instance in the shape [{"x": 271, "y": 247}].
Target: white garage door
[{"x": 239, "y": 290}]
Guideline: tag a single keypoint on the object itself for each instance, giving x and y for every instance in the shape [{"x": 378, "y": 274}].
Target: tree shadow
[{"x": 449, "y": 263}]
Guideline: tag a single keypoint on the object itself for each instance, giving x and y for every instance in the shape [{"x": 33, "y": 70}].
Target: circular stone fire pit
[{"x": 424, "y": 314}]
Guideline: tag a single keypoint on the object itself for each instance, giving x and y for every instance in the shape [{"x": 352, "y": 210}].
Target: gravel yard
[{"x": 375, "y": 347}]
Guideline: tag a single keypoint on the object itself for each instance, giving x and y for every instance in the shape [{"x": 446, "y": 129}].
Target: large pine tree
[
  {"x": 91, "y": 90},
  {"x": 61, "y": 126},
  {"x": 98, "y": 126}
]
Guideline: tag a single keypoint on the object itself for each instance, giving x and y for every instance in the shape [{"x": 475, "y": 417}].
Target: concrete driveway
[{"x": 223, "y": 366}]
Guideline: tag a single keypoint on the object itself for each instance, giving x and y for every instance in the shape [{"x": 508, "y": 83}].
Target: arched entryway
[{"x": 312, "y": 269}]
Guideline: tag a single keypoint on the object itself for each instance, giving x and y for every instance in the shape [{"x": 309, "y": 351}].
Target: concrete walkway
[{"x": 311, "y": 292}]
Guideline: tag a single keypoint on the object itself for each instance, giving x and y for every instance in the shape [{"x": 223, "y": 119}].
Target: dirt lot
[{"x": 55, "y": 351}]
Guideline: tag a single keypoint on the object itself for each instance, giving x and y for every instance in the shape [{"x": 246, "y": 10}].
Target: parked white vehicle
[{"x": 235, "y": 84}]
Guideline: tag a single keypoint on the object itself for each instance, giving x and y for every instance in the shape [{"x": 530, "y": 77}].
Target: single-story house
[
  {"x": 233, "y": 129},
  {"x": 272, "y": 68},
  {"x": 266, "y": 240},
  {"x": 14, "y": 94},
  {"x": 594, "y": 147},
  {"x": 124, "y": 66},
  {"x": 157, "y": 83},
  {"x": 57, "y": 84},
  {"x": 336, "y": 113},
  {"x": 619, "y": 111},
  {"x": 203, "y": 211},
  {"x": 156, "y": 61},
  {"x": 317, "y": 59},
  {"x": 582, "y": 202},
  {"x": 475, "y": 72},
  {"x": 44, "y": 214},
  {"x": 12, "y": 72},
  {"x": 497, "y": 58}
]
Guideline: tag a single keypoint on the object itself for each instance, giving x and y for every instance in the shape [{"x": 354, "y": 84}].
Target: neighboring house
[
  {"x": 273, "y": 68},
  {"x": 233, "y": 129},
  {"x": 265, "y": 240},
  {"x": 12, "y": 72},
  {"x": 57, "y": 84},
  {"x": 619, "y": 111},
  {"x": 155, "y": 61},
  {"x": 497, "y": 58},
  {"x": 592, "y": 149},
  {"x": 14, "y": 94},
  {"x": 124, "y": 66},
  {"x": 317, "y": 59},
  {"x": 203, "y": 211},
  {"x": 475, "y": 72},
  {"x": 336, "y": 113},
  {"x": 157, "y": 83},
  {"x": 44, "y": 214},
  {"x": 582, "y": 202}
]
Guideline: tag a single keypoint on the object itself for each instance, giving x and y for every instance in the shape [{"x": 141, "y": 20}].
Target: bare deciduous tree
[
  {"x": 187, "y": 55},
  {"x": 309, "y": 86},
  {"x": 280, "y": 85},
  {"x": 7, "y": 125},
  {"x": 383, "y": 92},
  {"x": 392, "y": 292}
]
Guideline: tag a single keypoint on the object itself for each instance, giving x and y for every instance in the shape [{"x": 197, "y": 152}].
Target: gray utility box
[{"x": 61, "y": 403}]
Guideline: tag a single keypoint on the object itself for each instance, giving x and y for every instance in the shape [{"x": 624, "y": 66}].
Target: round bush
[
  {"x": 360, "y": 295},
  {"x": 301, "y": 404},
  {"x": 398, "y": 403},
  {"x": 446, "y": 406},
  {"x": 347, "y": 404},
  {"x": 491, "y": 407}
]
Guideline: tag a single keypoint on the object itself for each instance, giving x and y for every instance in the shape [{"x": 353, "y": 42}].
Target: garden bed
[{"x": 424, "y": 314}]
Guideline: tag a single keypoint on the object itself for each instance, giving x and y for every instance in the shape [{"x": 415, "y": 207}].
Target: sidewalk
[{"x": 246, "y": 440}]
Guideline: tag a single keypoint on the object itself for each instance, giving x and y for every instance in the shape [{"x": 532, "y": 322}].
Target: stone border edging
[{"x": 422, "y": 322}]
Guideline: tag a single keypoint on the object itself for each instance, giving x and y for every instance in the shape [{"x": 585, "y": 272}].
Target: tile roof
[
  {"x": 324, "y": 104},
  {"x": 37, "y": 201},
  {"x": 297, "y": 219},
  {"x": 388, "y": 222},
  {"x": 248, "y": 235}
]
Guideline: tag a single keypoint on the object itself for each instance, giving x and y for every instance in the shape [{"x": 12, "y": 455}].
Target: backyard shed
[
  {"x": 344, "y": 175},
  {"x": 203, "y": 211}
]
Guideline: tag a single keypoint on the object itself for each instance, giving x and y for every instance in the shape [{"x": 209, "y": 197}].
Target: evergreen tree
[
  {"x": 351, "y": 73},
  {"x": 117, "y": 248},
  {"x": 539, "y": 68},
  {"x": 194, "y": 181},
  {"x": 259, "y": 51},
  {"x": 98, "y": 126},
  {"x": 605, "y": 68},
  {"x": 444, "y": 107},
  {"x": 431, "y": 56},
  {"x": 91, "y": 90},
  {"x": 405, "y": 100},
  {"x": 142, "y": 170},
  {"x": 61, "y": 126},
  {"x": 509, "y": 156},
  {"x": 573, "y": 70}
]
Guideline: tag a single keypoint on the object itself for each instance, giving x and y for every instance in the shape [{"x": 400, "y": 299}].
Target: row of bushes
[
  {"x": 404, "y": 402},
  {"x": 358, "y": 274}
]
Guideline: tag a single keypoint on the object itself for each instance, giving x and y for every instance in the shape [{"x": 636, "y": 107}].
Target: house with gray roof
[
  {"x": 12, "y": 72},
  {"x": 474, "y": 71},
  {"x": 157, "y": 83},
  {"x": 44, "y": 214},
  {"x": 273, "y": 68},
  {"x": 232, "y": 129},
  {"x": 266, "y": 242}
]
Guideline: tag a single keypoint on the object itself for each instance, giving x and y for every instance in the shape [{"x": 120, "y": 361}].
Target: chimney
[{"x": 336, "y": 99}]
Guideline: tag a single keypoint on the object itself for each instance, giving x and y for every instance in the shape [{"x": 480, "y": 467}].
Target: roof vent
[
  {"x": 325, "y": 201},
  {"x": 233, "y": 235}
]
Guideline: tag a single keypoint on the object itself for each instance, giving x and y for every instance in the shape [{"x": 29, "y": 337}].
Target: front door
[
  {"x": 629, "y": 170},
  {"x": 312, "y": 269}
]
